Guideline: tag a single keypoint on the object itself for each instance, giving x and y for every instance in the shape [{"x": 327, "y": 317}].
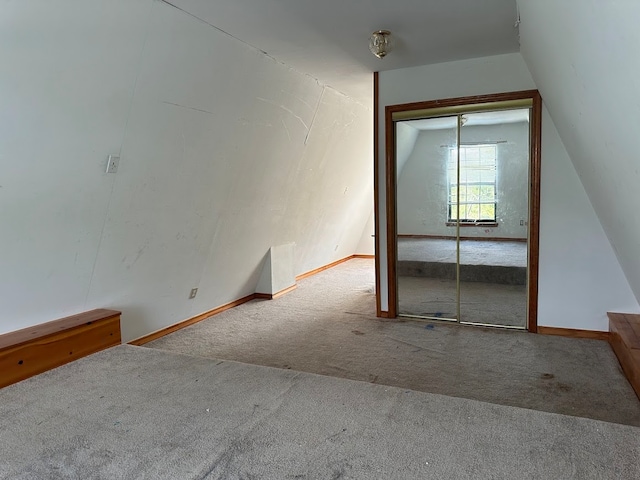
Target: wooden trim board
[
  {"x": 628, "y": 325},
  {"x": 376, "y": 186},
  {"x": 574, "y": 333},
  {"x": 263, "y": 296},
  {"x": 535, "y": 144},
  {"x": 283, "y": 292},
  {"x": 273, "y": 296},
  {"x": 624, "y": 339},
  {"x": 315, "y": 271},
  {"x": 391, "y": 213},
  {"x": 33, "y": 350},
  {"x": 190, "y": 321}
]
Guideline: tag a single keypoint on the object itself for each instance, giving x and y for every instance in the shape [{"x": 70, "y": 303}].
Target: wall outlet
[
  {"x": 194, "y": 292},
  {"x": 112, "y": 163}
]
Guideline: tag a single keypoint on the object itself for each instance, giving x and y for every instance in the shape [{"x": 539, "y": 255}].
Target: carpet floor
[
  {"x": 472, "y": 252},
  {"x": 138, "y": 413},
  {"x": 328, "y": 326},
  {"x": 487, "y": 303}
]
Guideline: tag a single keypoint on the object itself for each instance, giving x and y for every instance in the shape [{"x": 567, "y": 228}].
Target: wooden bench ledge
[
  {"x": 36, "y": 349},
  {"x": 624, "y": 338}
]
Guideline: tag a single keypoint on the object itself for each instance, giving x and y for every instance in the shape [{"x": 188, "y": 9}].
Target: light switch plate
[{"x": 112, "y": 163}]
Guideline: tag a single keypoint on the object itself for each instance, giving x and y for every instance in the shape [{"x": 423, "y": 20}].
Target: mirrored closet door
[{"x": 462, "y": 212}]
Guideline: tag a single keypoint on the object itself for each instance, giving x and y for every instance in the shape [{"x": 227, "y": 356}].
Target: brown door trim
[
  {"x": 376, "y": 183},
  {"x": 391, "y": 208},
  {"x": 535, "y": 144}
]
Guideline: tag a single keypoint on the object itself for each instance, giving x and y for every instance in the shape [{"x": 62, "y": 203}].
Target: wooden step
[
  {"x": 624, "y": 337},
  {"x": 36, "y": 349}
]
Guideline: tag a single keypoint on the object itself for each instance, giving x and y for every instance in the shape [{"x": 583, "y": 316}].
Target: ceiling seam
[{"x": 320, "y": 84}]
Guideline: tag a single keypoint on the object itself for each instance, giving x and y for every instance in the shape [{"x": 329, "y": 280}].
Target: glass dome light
[{"x": 380, "y": 43}]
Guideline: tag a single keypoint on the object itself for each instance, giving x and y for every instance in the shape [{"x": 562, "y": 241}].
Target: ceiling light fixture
[{"x": 380, "y": 43}]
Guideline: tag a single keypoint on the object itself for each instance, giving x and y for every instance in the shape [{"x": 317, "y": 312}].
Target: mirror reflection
[{"x": 462, "y": 213}]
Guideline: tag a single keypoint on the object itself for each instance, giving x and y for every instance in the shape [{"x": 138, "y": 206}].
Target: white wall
[
  {"x": 580, "y": 279},
  {"x": 584, "y": 58},
  {"x": 366, "y": 246},
  {"x": 224, "y": 153},
  {"x": 502, "y": 74},
  {"x": 422, "y": 187},
  {"x": 278, "y": 270}
]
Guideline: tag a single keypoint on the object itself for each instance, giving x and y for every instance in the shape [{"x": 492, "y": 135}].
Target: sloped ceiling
[
  {"x": 329, "y": 39},
  {"x": 583, "y": 56}
]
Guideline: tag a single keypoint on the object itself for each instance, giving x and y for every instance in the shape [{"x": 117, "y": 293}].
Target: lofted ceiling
[{"x": 329, "y": 39}]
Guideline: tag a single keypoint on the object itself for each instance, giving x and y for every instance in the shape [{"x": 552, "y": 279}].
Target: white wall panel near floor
[
  {"x": 226, "y": 153},
  {"x": 366, "y": 246},
  {"x": 505, "y": 73}
]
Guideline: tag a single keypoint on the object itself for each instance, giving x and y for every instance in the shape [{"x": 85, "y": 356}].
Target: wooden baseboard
[
  {"x": 574, "y": 333},
  {"x": 284, "y": 292},
  {"x": 273, "y": 296},
  {"x": 190, "y": 321},
  {"x": 624, "y": 338},
  {"x": 263, "y": 296},
  {"x": 30, "y": 351},
  {"x": 315, "y": 271}
]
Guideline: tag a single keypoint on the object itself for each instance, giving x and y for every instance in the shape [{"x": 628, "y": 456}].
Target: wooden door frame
[{"x": 534, "y": 190}]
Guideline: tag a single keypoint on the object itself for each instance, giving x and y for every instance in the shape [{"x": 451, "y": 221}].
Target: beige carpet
[
  {"x": 472, "y": 252},
  {"x": 487, "y": 303},
  {"x": 328, "y": 326},
  {"x": 137, "y": 413}
]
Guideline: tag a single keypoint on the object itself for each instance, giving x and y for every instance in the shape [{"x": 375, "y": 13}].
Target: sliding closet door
[
  {"x": 463, "y": 186},
  {"x": 493, "y": 214},
  {"x": 427, "y": 245}
]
